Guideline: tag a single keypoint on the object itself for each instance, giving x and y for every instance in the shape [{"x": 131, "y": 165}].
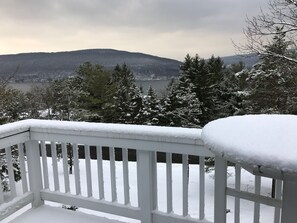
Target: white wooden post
[
  {"x": 220, "y": 190},
  {"x": 145, "y": 185},
  {"x": 289, "y": 209},
  {"x": 34, "y": 169}
]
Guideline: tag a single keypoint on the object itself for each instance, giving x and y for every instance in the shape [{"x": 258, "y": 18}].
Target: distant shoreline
[{"x": 158, "y": 85}]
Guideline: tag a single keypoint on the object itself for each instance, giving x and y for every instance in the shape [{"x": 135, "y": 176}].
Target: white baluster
[
  {"x": 100, "y": 172},
  {"x": 76, "y": 170},
  {"x": 257, "y": 205},
  {"x": 185, "y": 185},
  {"x": 65, "y": 167},
  {"x": 112, "y": 174},
  {"x": 23, "y": 168},
  {"x": 237, "y": 187},
  {"x": 201, "y": 187},
  {"x": 44, "y": 165},
  {"x": 126, "y": 176},
  {"x": 88, "y": 170},
  {"x": 55, "y": 166},
  {"x": 10, "y": 171},
  {"x": 169, "y": 181},
  {"x": 278, "y": 194}
]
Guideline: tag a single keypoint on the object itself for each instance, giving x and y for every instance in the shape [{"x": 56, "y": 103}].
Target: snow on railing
[
  {"x": 145, "y": 141},
  {"x": 97, "y": 153},
  {"x": 13, "y": 198}
]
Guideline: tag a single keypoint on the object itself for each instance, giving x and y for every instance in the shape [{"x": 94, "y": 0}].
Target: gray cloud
[
  {"x": 166, "y": 15},
  {"x": 94, "y": 17}
]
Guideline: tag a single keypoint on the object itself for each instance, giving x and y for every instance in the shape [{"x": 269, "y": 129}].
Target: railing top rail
[
  {"x": 13, "y": 129},
  {"x": 120, "y": 131}
]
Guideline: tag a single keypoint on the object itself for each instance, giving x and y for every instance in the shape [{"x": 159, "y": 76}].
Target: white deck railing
[{"x": 34, "y": 139}]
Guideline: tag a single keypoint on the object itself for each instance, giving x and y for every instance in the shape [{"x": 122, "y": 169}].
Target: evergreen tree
[
  {"x": 272, "y": 82},
  {"x": 211, "y": 83},
  {"x": 150, "y": 113},
  {"x": 34, "y": 102},
  {"x": 181, "y": 107},
  {"x": 67, "y": 94},
  {"x": 12, "y": 104},
  {"x": 97, "y": 90},
  {"x": 127, "y": 98}
]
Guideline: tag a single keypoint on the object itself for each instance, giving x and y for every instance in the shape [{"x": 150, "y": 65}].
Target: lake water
[{"x": 158, "y": 85}]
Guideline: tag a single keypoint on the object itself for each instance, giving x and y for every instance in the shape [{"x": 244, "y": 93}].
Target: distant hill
[
  {"x": 249, "y": 59},
  {"x": 45, "y": 66}
]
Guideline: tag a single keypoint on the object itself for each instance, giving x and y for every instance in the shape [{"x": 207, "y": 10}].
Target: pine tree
[
  {"x": 210, "y": 80},
  {"x": 67, "y": 94},
  {"x": 272, "y": 82},
  {"x": 97, "y": 91},
  {"x": 127, "y": 97},
  {"x": 181, "y": 107},
  {"x": 150, "y": 113},
  {"x": 12, "y": 104}
]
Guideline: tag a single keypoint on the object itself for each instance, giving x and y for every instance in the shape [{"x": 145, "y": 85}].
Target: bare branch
[
  {"x": 281, "y": 19},
  {"x": 4, "y": 82}
]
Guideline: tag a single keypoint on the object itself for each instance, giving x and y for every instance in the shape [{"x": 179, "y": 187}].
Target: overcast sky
[{"x": 166, "y": 28}]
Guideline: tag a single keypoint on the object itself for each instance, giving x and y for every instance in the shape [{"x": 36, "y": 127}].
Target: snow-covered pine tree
[
  {"x": 127, "y": 97},
  {"x": 181, "y": 107},
  {"x": 150, "y": 113},
  {"x": 12, "y": 104},
  {"x": 210, "y": 81},
  {"x": 273, "y": 81},
  {"x": 67, "y": 94}
]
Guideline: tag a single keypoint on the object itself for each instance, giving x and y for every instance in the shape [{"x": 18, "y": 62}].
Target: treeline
[
  {"x": 205, "y": 90},
  {"x": 99, "y": 95}
]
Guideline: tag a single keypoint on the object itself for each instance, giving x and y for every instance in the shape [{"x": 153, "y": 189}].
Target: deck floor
[{"x": 49, "y": 214}]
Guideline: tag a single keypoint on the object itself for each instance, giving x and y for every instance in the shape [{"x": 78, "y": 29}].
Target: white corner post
[
  {"x": 220, "y": 190},
  {"x": 34, "y": 170},
  {"x": 289, "y": 209},
  {"x": 146, "y": 181}
]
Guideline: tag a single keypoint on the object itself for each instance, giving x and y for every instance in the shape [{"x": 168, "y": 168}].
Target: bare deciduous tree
[
  {"x": 5, "y": 80},
  {"x": 281, "y": 18}
]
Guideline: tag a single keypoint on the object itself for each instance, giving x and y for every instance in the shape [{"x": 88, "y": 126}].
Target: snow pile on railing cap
[
  {"x": 262, "y": 140},
  {"x": 13, "y": 128},
  {"x": 184, "y": 135}
]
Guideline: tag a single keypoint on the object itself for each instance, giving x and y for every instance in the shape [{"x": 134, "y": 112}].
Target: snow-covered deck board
[{"x": 48, "y": 214}]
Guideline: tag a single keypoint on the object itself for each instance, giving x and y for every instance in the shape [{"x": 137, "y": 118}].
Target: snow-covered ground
[
  {"x": 247, "y": 185},
  {"x": 49, "y": 214}
]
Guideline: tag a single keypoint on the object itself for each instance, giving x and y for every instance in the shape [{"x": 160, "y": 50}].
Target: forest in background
[{"x": 204, "y": 91}]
